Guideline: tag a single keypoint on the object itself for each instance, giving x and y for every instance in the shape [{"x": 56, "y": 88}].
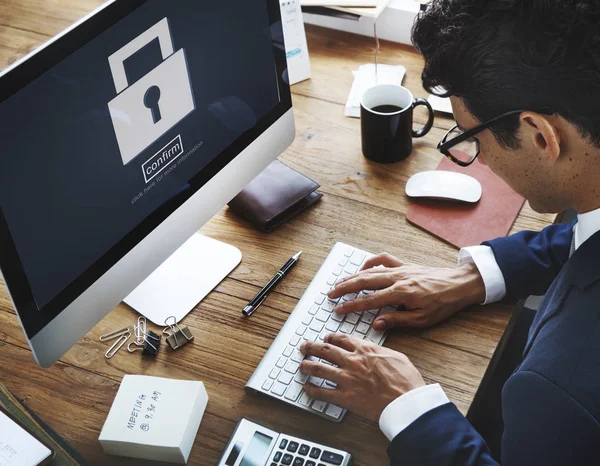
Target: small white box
[{"x": 154, "y": 418}]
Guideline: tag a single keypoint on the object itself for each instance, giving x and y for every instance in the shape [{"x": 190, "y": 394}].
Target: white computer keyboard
[{"x": 278, "y": 373}]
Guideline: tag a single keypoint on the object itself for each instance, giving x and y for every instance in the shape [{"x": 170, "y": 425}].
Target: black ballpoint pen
[{"x": 262, "y": 294}]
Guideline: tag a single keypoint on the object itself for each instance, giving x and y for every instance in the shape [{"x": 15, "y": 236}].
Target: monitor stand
[{"x": 184, "y": 279}]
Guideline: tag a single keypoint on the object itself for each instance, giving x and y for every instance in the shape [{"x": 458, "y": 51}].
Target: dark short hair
[{"x": 503, "y": 55}]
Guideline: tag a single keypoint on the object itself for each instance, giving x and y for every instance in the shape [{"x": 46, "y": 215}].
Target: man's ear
[{"x": 542, "y": 133}]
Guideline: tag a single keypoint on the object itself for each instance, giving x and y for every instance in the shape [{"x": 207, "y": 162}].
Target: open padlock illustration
[{"x": 145, "y": 110}]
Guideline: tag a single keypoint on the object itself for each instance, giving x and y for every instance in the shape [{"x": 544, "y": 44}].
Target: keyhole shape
[{"x": 151, "y": 101}]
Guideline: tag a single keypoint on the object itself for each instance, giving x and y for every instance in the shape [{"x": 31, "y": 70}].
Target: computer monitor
[{"x": 120, "y": 138}]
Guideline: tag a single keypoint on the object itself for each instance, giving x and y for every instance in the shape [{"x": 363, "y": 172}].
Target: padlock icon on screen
[{"x": 145, "y": 110}]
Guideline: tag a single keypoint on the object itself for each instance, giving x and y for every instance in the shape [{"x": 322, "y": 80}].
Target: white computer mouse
[{"x": 439, "y": 184}]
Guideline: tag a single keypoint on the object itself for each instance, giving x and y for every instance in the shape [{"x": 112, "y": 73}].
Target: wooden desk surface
[{"x": 364, "y": 205}]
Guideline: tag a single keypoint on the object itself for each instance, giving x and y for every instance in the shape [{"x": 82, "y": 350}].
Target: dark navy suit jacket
[{"x": 551, "y": 403}]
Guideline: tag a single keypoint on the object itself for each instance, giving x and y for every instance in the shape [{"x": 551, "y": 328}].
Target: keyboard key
[
  {"x": 287, "y": 352},
  {"x": 343, "y": 261},
  {"x": 375, "y": 336},
  {"x": 347, "y": 328},
  {"x": 294, "y": 391},
  {"x": 311, "y": 335},
  {"x": 307, "y": 319},
  {"x": 282, "y": 445},
  {"x": 273, "y": 464},
  {"x": 292, "y": 367},
  {"x": 362, "y": 328},
  {"x": 298, "y": 462},
  {"x": 357, "y": 258},
  {"x": 337, "y": 271},
  {"x": 317, "y": 326},
  {"x": 304, "y": 399},
  {"x": 297, "y": 356},
  {"x": 303, "y": 450},
  {"x": 315, "y": 453},
  {"x": 331, "y": 280},
  {"x": 337, "y": 317},
  {"x": 313, "y": 309},
  {"x": 351, "y": 269},
  {"x": 349, "y": 296},
  {"x": 279, "y": 454},
  {"x": 367, "y": 318},
  {"x": 285, "y": 378},
  {"x": 332, "y": 458},
  {"x": 274, "y": 373},
  {"x": 316, "y": 381},
  {"x": 300, "y": 330},
  {"x": 373, "y": 311},
  {"x": 309, "y": 463},
  {"x": 293, "y": 447},
  {"x": 278, "y": 389},
  {"x": 334, "y": 411},
  {"x": 323, "y": 335},
  {"x": 348, "y": 251},
  {"x": 328, "y": 306},
  {"x": 334, "y": 326},
  {"x": 301, "y": 378},
  {"x": 319, "y": 406},
  {"x": 267, "y": 385},
  {"x": 353, "y": 318},
  {"x": 281, "y": 362},
  {"x": 287, "y": 459},
  {"x": 295, "y": 340},
  {"x": 330, "y": 384},
  {"x": 319, "y": 299},
  {"x": 322, "y": 316}
]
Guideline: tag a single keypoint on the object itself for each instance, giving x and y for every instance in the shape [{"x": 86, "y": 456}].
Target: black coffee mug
[{"x": 386, "y": 114}]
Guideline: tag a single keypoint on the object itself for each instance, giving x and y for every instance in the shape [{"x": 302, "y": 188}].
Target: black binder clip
[
  {"x": 149, "y": 346},
  {"x": 177, "y": 336}
]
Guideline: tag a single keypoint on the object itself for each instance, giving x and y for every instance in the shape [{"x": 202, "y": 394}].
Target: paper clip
[
  {"x": 117, "y": 345},
  {"x": 178, "y": 337},
  {"x": 116, "y": 334},
  {"x": 140, "y": 330},
  {"x": 149, "y": 346}
]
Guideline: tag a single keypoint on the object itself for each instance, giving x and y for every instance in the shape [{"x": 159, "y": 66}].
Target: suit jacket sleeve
[
  {"x": 530, "y": 261},
  {"x": 544, "y": 425}
]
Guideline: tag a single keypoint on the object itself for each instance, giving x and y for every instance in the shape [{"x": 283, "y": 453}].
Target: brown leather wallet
[{"x": 275, "y": 196}]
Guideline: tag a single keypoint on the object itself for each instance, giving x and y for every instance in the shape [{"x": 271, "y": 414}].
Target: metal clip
[
  {"x": 140, "y": 330},
  {"x": 116, "y": 333},
  {"x": 179, "y": 336},
  {"x": 149, "y": 346},
  {"x": 117, "y": 345}
]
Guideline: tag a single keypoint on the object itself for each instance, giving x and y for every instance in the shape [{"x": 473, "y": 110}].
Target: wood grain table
[{"x": 363, "y": 205}]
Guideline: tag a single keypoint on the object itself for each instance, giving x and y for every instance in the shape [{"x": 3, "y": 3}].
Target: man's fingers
[
  {"x": 385, "y": 259},
  {"x": 323, "y": 394},
  {"x": 343, "y": 341},
  {"x": 318, "y": 369},
  {"x": 331, "y": 353},
  {"x": 376, "y": 300},
  {"x": 400, "y": 319},
  {"x": 360, "y": 282}
]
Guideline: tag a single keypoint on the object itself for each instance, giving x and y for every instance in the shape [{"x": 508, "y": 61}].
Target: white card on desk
[
  {"x": 296, "y": 48},
  {"x": 154, "y": 418},
  {"x": 18, "y": 447},
  {"x": 367, "y": 77}
]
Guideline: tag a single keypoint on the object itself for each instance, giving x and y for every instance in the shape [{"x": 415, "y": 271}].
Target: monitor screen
[{"x": 103, "y": 145}]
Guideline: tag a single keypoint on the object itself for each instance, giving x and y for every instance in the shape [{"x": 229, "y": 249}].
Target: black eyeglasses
[{"x": 462, "y": 147}]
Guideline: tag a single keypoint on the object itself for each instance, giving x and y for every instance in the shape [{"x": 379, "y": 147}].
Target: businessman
[{"x": 524, "y": 80}]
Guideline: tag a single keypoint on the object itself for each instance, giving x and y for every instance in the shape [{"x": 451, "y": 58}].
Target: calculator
[{"x": 255, "y": 445}]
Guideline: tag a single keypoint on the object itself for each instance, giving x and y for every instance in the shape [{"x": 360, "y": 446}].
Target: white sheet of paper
[
  {"x": 296, "y": 48},
  {"x": 440, "y": 104},
  {"x": 18, "y": 447},
  {"x": 358, "y": 3},
  {"x": 364, "y": 79}
]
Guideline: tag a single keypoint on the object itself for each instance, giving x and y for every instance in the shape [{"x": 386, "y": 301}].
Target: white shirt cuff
[
  {"x": 406, "y": 409},
  {"x": 483, "y": 257}
]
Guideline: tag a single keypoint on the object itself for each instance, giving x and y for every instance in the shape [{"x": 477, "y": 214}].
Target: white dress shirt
[{"x": 406, "y": 409}]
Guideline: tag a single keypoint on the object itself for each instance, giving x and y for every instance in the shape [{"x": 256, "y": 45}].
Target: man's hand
[
  {"x": 368, "y": 377},
  {"x": 429, "y": 295}
]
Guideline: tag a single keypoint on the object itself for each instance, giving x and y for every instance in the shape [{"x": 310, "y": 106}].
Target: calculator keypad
[{"x": 298, "y": 452}]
